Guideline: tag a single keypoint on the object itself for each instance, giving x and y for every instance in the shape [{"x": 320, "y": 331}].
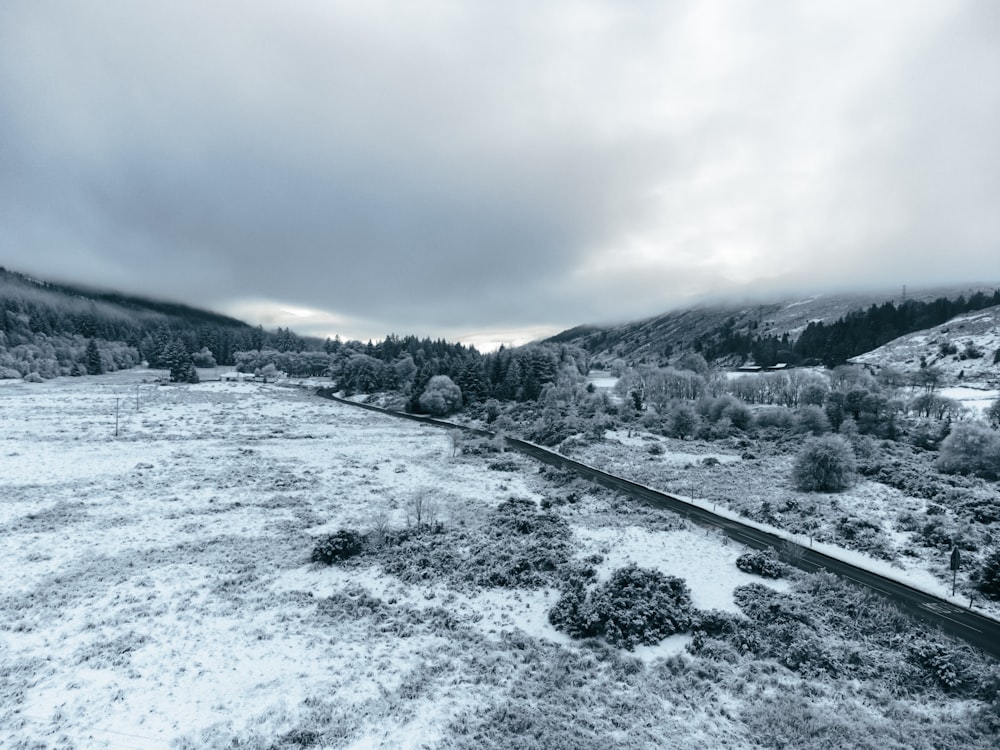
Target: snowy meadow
[{"x": 159, "y": 592}]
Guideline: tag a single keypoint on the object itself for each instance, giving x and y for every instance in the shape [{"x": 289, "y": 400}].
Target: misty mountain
[
  {"x": 47, "y": 328},
  {"x": 102, "y": 308},
  {"x": 820, "y": 329}
]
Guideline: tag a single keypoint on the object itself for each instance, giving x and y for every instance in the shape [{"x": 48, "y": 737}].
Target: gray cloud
[{"x": 454, "y": 167}]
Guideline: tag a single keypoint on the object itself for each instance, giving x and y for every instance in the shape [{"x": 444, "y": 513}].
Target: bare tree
[{"x": 422, "y": 509}]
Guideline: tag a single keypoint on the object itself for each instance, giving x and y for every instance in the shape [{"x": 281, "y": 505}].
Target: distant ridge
[
  {"x": 10, "y": 281},
  {"x": 767, "y": 332}
]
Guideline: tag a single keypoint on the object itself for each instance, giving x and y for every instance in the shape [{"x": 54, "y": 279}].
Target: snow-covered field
[{"x": 157, "y": 590}]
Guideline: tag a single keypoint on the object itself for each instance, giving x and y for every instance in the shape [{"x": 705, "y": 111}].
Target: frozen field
[{"x": 157, "y": 590}]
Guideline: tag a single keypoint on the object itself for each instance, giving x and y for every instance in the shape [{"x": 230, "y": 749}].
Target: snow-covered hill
[
  {"x": 965, "y": 350},
  {"x": 657, "y": 339}
]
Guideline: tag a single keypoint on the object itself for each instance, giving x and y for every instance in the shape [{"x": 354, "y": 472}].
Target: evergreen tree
[
  {"x": 989, "y": 576},
  {"x": 179, "y": 362},
  {"x": 94, "y": 364}
]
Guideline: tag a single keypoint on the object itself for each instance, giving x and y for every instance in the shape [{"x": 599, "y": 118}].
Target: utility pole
[
  {"x": 117, "y": 403},
  {"x": 956, "y": 560}
]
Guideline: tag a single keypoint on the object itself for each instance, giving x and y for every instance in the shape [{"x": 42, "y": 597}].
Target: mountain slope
[
  {"x": 965, "y": 348},
  {"x": 732, "y": 334},
  {"x": 48, "y": 330},
  {"x": 19, "y": 289}
]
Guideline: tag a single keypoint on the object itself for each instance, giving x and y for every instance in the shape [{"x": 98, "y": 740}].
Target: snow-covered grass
[
  {"x": 157, "y": 589},
  {"x": 159, "y": 582},
  {"x": 758, "y": 491}
]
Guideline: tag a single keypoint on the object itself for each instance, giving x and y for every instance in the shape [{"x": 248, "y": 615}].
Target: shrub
[
  {"x": 777, "y": 417},
  {"x": 636, "y": 606},
  {"x": 441, "y": 397},
  {"x": 568, "y": 614},
  {"x": 943, "y": 664},
  {"x": 811, "y": 419},
  {"x": 989, "y": 576},
  {"x": 764, "y": 563},
  {"x": 971, "y": 449},
  {"x": 682, "y": 420},
  {"x": 826, "y": 464},
  {"x": 340, "y": 545},
  {"x": 863, "y": 535},
  {"x": 503, "y": 464},
  {"x": 517, "y": 546},
  {"x": 993, "y": 413}
]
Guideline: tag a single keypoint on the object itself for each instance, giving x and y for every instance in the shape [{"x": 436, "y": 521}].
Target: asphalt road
[{"x": 976, "y": 629}]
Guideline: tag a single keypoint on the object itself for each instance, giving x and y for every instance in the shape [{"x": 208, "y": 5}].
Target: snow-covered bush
[
  {"x": 971, "y": 449},
  {"x": 992, "y": 413},
  {"x": 635, "y": 606},
  {"x": 764, "y": 563},
  {"x": 774, "y": 417},
  {"x": 943, "y": 664},
  {"x": 441, "y": 397},
  {"x": 864, "y": 536},
  {"x": 989, "y": 576},
  {"x": 811, "y": 419},
  {"x": 682, "y": 420},
  {"x": 341, "y": 545},
  {"x": 826, "y": 464},
  {"x": 203, "y": 358},
  {"x": 503, "y": 464},
  {"x": 518, "y": 545}
]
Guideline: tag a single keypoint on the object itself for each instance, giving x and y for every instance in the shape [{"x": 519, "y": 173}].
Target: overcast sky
[{"x": 493, "y": 171}]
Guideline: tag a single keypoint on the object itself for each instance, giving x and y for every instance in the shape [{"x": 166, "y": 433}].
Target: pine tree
[
  {"x": 94, "y": 364},
  {"x": 989, "y": 576},
  {"x": 179, "y": 362}
]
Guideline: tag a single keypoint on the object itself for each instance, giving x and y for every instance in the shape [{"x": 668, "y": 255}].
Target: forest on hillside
[{"x": 855, "y": 333}]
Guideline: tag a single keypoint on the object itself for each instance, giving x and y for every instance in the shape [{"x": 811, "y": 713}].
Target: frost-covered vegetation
[{"x": 248, "y": 566}]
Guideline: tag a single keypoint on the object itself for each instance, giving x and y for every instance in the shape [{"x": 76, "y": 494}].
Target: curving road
[{"x": 972, "y": 627}]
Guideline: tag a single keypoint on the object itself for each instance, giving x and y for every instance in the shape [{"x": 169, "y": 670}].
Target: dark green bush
[
  {"x": 864, "y": 536},
  {"x": 636, "y": 606},
  {"x": 764, "y": 563},
  {"x": 341, "y": 545},
  {"x": 989, "y": 576}
]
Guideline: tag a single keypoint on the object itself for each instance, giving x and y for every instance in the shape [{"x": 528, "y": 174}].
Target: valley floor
[{"x": 158, "y": 593}]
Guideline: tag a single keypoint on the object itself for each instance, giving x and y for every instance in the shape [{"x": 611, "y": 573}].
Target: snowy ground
[
  {"x": 157, "y": 589},
  {"x": 709, "y": 475},
  {"x": 976, "y": 400}
]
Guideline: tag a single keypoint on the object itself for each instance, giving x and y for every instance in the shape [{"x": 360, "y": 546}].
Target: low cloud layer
[{"x": 463, "y": 168}]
